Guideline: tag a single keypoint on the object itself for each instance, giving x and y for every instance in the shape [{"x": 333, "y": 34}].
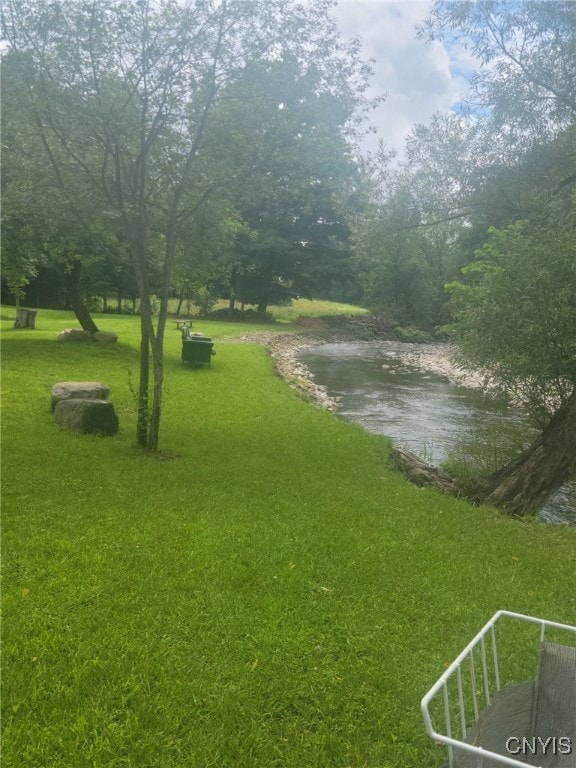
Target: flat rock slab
[
  {"x": 74, "y": 334},
  {"x": 105, "y": 337},
  {"x": 87, "y": 416},
  {"x": 91, "y": 390}
]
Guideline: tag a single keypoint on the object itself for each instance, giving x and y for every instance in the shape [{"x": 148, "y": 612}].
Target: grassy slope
[
  {"x": 264, "y": 594},
  {"x": 297, "y": 308}
]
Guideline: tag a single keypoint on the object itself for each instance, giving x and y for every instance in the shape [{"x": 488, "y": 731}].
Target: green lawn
[
  {"x": 297, "y": 308},
  {"x": 314, "y": 308},
  {"x": 264, "y": 593}
]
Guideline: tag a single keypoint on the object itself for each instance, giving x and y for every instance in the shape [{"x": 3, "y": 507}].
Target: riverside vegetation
[{"x": 264, "y": 592}]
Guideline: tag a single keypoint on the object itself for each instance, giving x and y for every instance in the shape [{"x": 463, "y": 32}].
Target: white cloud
[{"x": 420, "y": 78}]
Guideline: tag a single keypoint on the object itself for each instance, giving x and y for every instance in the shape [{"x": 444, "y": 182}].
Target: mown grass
[
  {"x": 263, "y": 593},
  {"x": 314, "y": 308},
  {"x": 297, "y": 308}
]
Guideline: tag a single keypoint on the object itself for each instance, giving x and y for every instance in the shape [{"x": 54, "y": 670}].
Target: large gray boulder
[
  {"x": 87, "y": 416},
  {"x": 74, "y": 334},
  {"x": 93, "y": 390}
]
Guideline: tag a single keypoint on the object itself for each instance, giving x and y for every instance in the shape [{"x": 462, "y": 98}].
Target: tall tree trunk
[
  {"x": 143, "y": 385},
  {"x": 76, "y": 299},
  {"x": 524, "y": 485},
  {"x": 158, "y": 344},
  {"x": 233, "y": 286},
  {"x": 158, "y": 353},
  {"x": 137, "y": 239},
  {"x": 266, "y": 286},
  {"x": 156, "y": 411}
]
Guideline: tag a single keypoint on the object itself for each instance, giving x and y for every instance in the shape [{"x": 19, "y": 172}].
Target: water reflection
[{"x": 424, "y": 413}]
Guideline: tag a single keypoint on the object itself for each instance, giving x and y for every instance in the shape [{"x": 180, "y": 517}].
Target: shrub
[{"x": 412, "y": 335}]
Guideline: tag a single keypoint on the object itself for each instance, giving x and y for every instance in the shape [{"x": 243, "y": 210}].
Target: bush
[
  {"x": 204, "y": 299},
  {"x": 412, "y": 335},
  {"x": 94, "y": 304}
]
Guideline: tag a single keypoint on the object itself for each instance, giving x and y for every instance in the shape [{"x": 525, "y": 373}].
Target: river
[{"x": 424, "y": 412}]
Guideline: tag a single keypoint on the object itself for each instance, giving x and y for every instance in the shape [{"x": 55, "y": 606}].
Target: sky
[{"x": 420, "y": 78}]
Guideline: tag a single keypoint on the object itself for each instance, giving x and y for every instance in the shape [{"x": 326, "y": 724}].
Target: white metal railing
[{"x": 490, "y": 683}]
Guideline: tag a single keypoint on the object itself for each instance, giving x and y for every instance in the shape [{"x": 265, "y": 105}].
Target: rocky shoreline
[{"x": 284, "y": 349}]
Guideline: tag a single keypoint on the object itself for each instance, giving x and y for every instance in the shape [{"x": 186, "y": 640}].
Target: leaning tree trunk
[
  {"x": 524, "y": 485},
  {"x": 76, "y": 299}
]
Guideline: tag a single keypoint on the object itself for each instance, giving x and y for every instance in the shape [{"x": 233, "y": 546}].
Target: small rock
[
  {"x": 105, "y": 337},
  {"x": 74, "y": 334},
  {"x": 87, "y": 416},
  {"x": 65, "y": 390}
]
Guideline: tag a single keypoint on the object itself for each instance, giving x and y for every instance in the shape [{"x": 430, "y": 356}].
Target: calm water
[{"x": 424, "y": 413}]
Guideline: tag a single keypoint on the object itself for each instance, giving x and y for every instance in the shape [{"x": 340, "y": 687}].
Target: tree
[
  {"x": 516, "y": 318},
  {"x": 206, "y": 255},
  {"x": 20, "y": 258},
  {"x": 296, "y": 171},
  {"x": 402, "y": 242},
  {"x": 41, "y": 224},
  {"x": 121, "y": 94},
  {"x": 515, "y": 310},
  {"x": 525, "y": 87}
]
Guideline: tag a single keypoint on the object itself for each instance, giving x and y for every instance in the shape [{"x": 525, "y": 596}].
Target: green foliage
[
  {"x": 204, "y": 299},
  {"x": 223, "y": 604},
  {"x": 516, "y": 312},
  {"x": 525, "y": 83},
  {"x": 403, "y": 266},
  {"x": 297, "y": 173},
  {"x": 20, "y": 262},
  {"x": 412, "y": 335},
  {"x": 472, "y": 461},
  {"x": 492, "y": 164}
]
